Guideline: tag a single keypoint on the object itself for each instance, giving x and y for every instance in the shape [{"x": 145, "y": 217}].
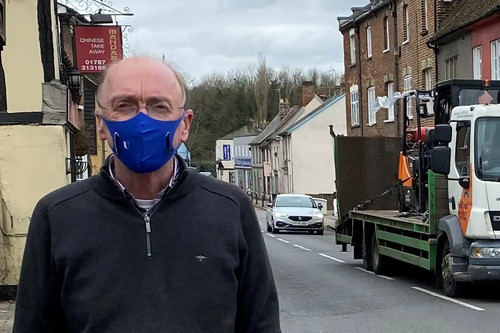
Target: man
[{"x": 146, "y": 245}]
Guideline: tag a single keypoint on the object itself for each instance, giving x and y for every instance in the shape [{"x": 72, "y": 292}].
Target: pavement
[
  {"x": 322, "y": 289},
  {"x": 6, "y": 316}
]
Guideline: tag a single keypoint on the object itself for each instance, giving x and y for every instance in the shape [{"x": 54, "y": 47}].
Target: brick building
[
  {"x": 469, "y": 41},
  {"x": 386, "y": 50}
]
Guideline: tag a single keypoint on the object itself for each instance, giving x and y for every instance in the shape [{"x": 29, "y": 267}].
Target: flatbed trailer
[{"x": 381, "y": 238}]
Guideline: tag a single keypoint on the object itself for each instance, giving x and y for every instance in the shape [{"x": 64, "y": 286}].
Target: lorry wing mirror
[
  {"x": 440, "y": 160},
  {"x": 442, "y": 134}
]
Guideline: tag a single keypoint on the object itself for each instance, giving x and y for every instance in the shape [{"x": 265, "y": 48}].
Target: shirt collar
[{"x": 158, "y": 197}]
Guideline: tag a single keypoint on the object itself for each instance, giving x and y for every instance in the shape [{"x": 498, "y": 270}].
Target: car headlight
[
  {"x": 279, "y": 215},
  {"x": 318, "y": 216},
  {"x": 486, "y": 252}
]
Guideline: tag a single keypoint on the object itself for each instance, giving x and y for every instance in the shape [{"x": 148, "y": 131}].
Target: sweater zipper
[
  {"x": 147, "y": 221},
  {"x": 147, "y": 216}
]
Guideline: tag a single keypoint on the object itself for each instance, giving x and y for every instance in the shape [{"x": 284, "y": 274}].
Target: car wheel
[
  {"x": 273, "y": 229},
  {"x": 269, "y": 229}
]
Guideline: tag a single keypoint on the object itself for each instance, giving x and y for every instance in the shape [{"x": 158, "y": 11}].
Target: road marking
[
  {"x": 301, "y": 247},
  {"x": 332, "y": 258},
  {"x": 370, "y": 272},
  {"x": 271, "y": 235},
  {"x": 282, "y": 240},
  {"x": 364, "y": 270},
  {"x": 467, "y": 305}
]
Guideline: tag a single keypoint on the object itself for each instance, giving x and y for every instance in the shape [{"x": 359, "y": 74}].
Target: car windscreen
[{"x": 290, "y": 201}]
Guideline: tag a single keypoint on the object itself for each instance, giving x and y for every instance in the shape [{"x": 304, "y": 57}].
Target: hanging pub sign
[{"x": 97, "y": 47}]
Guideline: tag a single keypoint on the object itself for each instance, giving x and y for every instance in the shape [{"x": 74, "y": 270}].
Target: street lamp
[{"x": 74, "y": 81}]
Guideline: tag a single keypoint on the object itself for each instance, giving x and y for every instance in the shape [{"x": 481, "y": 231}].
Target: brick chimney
[
  {"x": 444, "y": 9},
  {"x": 306, "y": 92},
  {"x": 284, "y": 107}
]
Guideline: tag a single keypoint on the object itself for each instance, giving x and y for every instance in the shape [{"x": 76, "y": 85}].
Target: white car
[{"x": 295, "y": 212}]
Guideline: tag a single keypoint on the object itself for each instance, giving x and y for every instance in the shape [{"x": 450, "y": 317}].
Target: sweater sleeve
[
  {"x": 38, "y": 305},
  {"x": 258, "y": 305}
]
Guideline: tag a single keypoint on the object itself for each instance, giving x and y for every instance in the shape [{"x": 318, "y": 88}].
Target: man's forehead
[{"x": 141, "y": 75}]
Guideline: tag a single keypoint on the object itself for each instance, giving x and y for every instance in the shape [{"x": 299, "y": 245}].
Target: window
[
  {"x": 450, "y": 69},
  {"x": 429, "y": 85},
  {"x": 476, "y": 62},
  {"x": 495, "y": 60},
  {"x": 352, "y": 43},
  {"x": 409, "y": 105},
  {"x": 390, "y": 93},
  {"x": 406, "y": 24},
  {"x": 369, "y": 41},
  {"x": 354, "y": 105},
  {"x": 462, "y": 150},
  {"x": 425, "y": 18},
  {"x": 372, "y": 113},
  {"x": 386, "y": 34}
]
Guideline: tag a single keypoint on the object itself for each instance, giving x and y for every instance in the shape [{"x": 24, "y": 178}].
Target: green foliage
[{"x": 222, "y": 103}]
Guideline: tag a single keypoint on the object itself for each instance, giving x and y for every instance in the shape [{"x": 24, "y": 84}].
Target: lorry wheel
[
  {"x": 451, "y": 287},
  {"x": 367, "y": 257},
  {"x": 379, "y": 261}
]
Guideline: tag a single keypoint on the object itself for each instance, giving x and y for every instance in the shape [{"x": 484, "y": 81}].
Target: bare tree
[{"x": 262, "y": 87}]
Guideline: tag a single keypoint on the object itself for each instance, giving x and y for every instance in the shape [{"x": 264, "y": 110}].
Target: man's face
[{"x": 142, "y": 82}]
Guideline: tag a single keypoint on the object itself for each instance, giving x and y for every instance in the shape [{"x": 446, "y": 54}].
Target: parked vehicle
[
  {"x": 295, "y": 212},
  {"x": 447, "y": 211}
]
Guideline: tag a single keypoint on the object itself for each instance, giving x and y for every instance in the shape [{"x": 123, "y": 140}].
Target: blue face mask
[{"x": 142, "y": 143}]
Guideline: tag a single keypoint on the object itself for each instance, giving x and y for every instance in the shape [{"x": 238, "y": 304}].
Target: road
[{"x": 322, "y": 289}]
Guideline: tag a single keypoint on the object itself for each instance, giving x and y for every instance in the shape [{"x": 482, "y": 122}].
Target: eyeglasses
[{"x": 125, "y": 110}]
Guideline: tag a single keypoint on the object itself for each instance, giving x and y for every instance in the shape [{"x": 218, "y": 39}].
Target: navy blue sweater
[{"x": 86, "y": 267}]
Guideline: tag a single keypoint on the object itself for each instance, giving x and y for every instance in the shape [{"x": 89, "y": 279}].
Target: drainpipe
[
  {"x": 360, "y": 76},
  {"x": 433, "y": 46},
  {"x": 394, "y": 10}
]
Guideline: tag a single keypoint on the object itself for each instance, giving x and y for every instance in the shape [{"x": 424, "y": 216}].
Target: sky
[{"x": 203, "y": 36}]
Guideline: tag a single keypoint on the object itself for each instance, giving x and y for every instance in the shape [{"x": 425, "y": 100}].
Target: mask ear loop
[
  {"x": 168, "y": 147},
  {"x": 116, "y": 139}
]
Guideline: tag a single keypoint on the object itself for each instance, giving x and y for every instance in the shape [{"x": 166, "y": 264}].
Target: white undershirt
[{"x": 145, "y": 204}]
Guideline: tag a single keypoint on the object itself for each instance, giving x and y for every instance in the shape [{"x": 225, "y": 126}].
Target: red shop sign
[{"x": 97, "y": 47}]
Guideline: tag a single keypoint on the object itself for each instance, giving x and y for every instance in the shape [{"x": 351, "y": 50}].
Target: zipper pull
[{"x": 147, "y": 221}]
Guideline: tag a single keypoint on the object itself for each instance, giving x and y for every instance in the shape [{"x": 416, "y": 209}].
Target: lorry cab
[{"x": 474, "y": 177}]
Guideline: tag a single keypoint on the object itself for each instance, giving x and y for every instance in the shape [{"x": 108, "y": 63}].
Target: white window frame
[
  {"x": 390, "y": 110},
  {"x": 369, "y": 41},
  {"x": 407, "y": 24},
  {"x": 386, "y": 34},
  {"x": 372, "y": 113},
  {"x": 495, "y": 60},
  {"x": 352, "y": 45},
  {"x": 429, "y": 85},
  {"x": 477, "y": 58},
  {"x": 354, "y": 94},
  {"x": 409, "y": 100},
  {"x": 451, "y": 66}
]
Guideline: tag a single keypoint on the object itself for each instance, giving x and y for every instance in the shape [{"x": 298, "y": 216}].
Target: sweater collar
[{"x": 105, "y": 184}]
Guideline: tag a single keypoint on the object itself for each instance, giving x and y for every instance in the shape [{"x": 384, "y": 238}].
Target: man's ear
[{"x": 186, "y": 125}]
